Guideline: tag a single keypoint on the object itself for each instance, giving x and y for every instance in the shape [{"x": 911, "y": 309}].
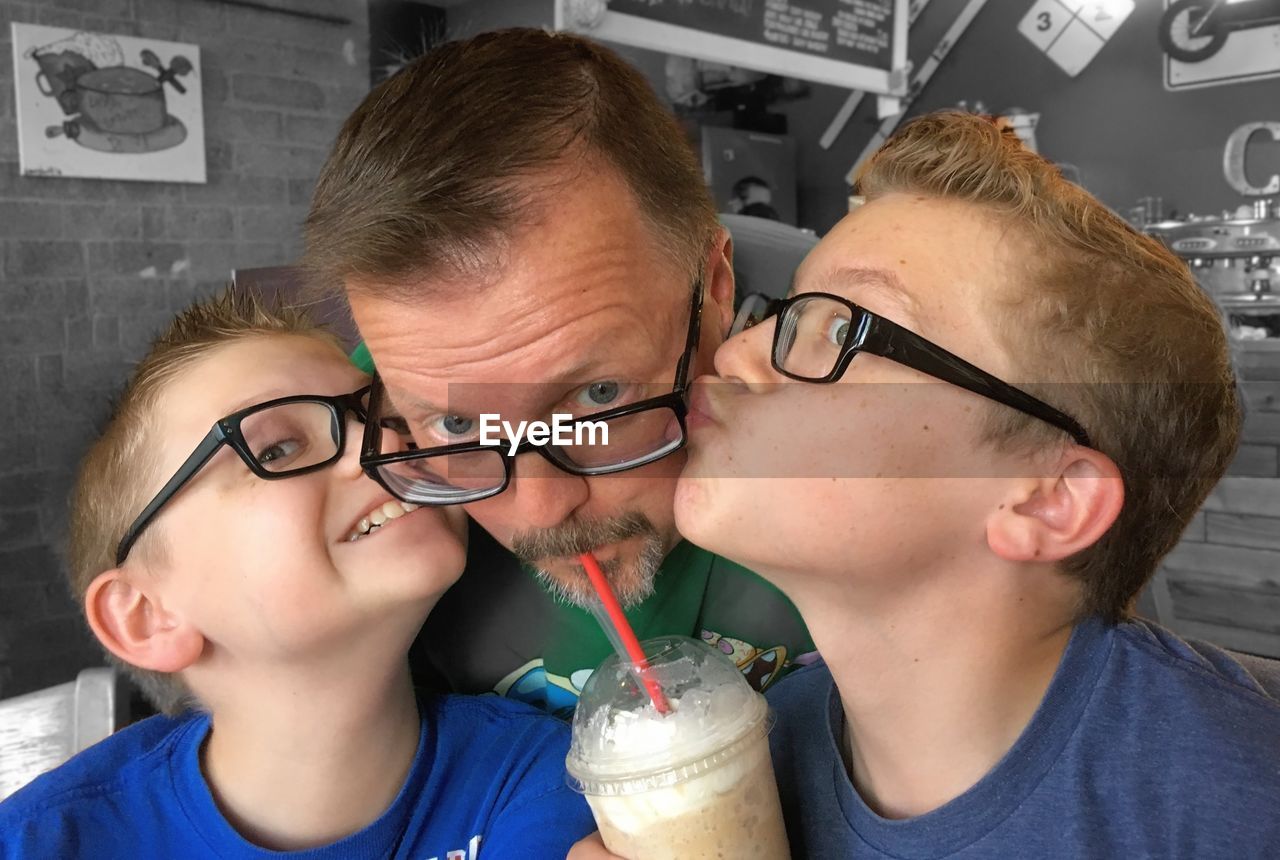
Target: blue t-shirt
[
  {"x": 1145, "y": 746},
  {"x": 487, "y": 781}
]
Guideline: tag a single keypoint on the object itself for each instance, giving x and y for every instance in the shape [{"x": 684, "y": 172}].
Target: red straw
[{"x": 623, "y": 628}]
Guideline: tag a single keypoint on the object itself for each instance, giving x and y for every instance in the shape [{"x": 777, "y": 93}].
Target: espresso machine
[{"x": 1236, "y": 259}]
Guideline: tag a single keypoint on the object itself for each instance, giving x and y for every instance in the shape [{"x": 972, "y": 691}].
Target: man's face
[
  {"x": 583, "y": 312},
  {"x": 882, "y": 473}
]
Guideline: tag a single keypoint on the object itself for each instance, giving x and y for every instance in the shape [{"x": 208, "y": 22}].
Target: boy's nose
[
  {"x": 349, "y": 463},
  {"x": 745, "y": 356}
]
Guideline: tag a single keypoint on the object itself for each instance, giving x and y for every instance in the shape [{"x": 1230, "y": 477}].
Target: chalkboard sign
[{"x": 859, "y": 44}]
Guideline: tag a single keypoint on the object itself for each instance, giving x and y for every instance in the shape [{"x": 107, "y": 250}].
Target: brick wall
[{"x": 90, "y": 269}]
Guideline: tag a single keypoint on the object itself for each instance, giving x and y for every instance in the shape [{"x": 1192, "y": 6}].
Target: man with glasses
[{"x": 522, "y": 232}]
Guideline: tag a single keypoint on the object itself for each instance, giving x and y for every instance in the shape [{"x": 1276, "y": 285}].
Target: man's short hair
[
  {"x": 119, "y": 473},
  {"x": 1104, "y": 308},
  {"x": 449, "y": 157}
]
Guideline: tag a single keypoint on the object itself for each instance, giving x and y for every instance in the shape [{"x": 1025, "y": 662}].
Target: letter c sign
[{"x": 1233, "y": 157}]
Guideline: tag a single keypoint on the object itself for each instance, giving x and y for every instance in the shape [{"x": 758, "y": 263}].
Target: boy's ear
[
  {"x": 720, "y": 284},
  {"x": 1049, "y": 519},
  {"x": 132, "y": 624}
]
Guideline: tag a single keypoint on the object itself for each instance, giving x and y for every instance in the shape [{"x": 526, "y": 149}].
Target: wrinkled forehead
[{"x": 505, "y": 351}]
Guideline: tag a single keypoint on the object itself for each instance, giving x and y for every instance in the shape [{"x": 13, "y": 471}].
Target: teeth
[{"x": 385, "y": 512}]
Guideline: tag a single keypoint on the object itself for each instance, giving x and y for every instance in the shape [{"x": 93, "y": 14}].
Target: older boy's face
[
  {"x": 264, "y": 569},
  {"x": 882, "y": 472}
]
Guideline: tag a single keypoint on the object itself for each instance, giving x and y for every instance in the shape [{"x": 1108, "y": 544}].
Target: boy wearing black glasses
[
  {"x": 986, "y": 413},
  {"x": 232, "y": 556}
]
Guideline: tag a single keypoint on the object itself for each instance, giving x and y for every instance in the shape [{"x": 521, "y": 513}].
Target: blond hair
[
  {"x": 119, "y": 473},
  {"x": 1105, "y": 309}
]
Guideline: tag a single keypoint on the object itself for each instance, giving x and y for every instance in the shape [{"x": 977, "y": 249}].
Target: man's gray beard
[{"x": 632, "y": 584}]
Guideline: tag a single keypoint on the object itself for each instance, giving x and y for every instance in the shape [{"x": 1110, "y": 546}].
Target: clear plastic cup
[{"x": 694, "y": 783}]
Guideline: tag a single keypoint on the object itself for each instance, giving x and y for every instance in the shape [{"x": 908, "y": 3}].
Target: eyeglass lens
[
  {"x": 292, "y": 436},
  {"x": 612, "y": 444},
  {"x": 810, "y": 336}
]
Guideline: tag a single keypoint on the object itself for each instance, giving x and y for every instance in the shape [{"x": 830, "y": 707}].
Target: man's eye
[
  {"x": 279, "y": 452},
  {"x": 453, "y": 426},
  {"x": 837, "y": 330},
  {"x": 599, "y": 393}
]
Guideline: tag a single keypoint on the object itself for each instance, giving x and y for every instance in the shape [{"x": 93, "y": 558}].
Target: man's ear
[
  {"x": 720, "y": 283},
  {"x": 132, "y": 624},
  {"x": 1051, "y": 518}
]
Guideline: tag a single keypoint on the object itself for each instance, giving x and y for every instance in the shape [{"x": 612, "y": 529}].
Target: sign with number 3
[{"x": 1072, "y": 32}]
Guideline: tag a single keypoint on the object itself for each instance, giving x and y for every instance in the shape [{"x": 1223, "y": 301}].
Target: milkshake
[{"x": 695, "y": 782}]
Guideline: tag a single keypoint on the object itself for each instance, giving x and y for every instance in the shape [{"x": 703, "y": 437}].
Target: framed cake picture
[{"x": 107, "y": 107}]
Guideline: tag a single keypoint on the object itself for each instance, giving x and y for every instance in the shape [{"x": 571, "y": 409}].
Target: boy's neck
[
  {"x": 937, "y": 681},
  {"x": 295, "y": 767}
]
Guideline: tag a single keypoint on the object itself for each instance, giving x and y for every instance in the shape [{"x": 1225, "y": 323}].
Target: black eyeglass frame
[
  {"x": 226, "y": 431},
  {"x": 874, "y": 334},
  {"x": 371, "y": 456}
]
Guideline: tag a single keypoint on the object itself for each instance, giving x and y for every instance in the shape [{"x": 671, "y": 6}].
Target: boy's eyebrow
[
  {"x": 261, "y": 397},
  {"x": 884, "y": 281}
]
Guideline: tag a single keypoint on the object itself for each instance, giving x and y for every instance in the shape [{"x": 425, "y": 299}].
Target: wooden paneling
[
  {"x": 1214, "y": 603},
  {"x": 1261, "y": 428},
  {"x": 1259, "y": 496},
  {"x": 1235, "y": 638},
  {"x": 1255, "y": 461},
  {"x": 1264, "y": 396},
  {"x": 1197, "y": 529},
  {"x": 1230, "y": 566},
  {"x": 1244, "y": 530},
  {"x": 1258, "y": 362}
]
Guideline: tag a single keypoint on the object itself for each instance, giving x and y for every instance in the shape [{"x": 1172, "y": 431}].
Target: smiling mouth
[{"x": 378, "y": 517}]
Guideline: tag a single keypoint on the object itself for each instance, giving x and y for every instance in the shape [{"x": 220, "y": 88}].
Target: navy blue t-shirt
[
  {"x": 487, "y": 781},
  {"x": 1145, "y": 746}
]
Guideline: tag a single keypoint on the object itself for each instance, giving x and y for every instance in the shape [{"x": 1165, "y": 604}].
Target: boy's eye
[
  {"x": 279, "y": 453},
  {"x": 837, "y": 330}
]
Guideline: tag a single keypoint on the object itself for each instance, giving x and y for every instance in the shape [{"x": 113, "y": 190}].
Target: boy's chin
[{"x": 706, "y": 515}]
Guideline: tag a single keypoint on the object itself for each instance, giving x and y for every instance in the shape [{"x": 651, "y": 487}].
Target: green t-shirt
[{"x": 498, "y": 630}]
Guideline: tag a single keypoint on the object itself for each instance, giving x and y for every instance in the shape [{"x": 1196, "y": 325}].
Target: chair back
[{"x": 41, "y": 730}]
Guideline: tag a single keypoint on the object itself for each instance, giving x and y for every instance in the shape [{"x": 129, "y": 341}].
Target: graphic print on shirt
[
  {"x": 471, "y": 852},
  {"x": 558, "y": 695}
]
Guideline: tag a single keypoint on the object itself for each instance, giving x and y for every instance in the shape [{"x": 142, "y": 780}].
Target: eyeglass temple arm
[
  {"x": 194, "y": 463},
  {"x": 901, "y": 344},
  {"x": 691, "y": 338}
]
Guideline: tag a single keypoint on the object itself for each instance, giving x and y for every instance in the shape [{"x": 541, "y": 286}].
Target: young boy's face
[
  {"x": 882, "y": 473},
  {"x": 265, "y": 570}
]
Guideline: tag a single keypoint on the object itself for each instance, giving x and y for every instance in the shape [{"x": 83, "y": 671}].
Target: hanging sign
[
  {"x": 1211, "y": 44},
  {"x": 1072, "y": 32},
  {"x": 857, "y": 44}
]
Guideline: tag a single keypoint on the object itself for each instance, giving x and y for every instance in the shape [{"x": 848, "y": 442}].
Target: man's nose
[
  {"x": 543, "y": 495},
  {"x": 745, "y": 356}
]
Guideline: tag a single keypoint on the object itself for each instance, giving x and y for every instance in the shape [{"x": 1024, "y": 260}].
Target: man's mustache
[{"x": 575, "y": 538}]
